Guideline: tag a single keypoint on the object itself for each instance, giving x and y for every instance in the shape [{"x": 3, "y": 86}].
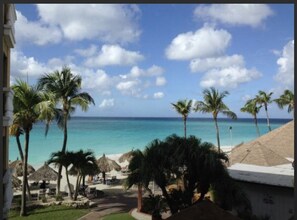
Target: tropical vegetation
[
  {"x": 286, "y": 99},
  {"x": 198, "y": 164},
  {"x": 213, "y": 103},
  {"x": 264, "y": 98},
  {"x": 82, "y": 163},
  {"x": 252, "y": 108},
  {"x": 30, "y": 106},
  {"x": 65, "y": 88},
  {"x": 183, "y": 107}
]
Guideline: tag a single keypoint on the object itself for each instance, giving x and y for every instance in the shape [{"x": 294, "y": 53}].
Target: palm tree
[
  {"x": 135, "y": 177},
  {"x": 213, "y": 103},
  {"x": 83, "y": 163},
  {"x": 252, "y": 108},
  {"x": 183, "y": 107},
  {"x": 264, "y": 99},
  {"x": 28, "y": 110},
  {"x": 16, "y": 131},
  {"x": 66, "y": 90},
  {"x": 64, "y": 159},
  {"x": 286, "y": 99}
]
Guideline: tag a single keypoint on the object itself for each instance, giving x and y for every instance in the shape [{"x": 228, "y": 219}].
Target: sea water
[{"x": 119, "y": 135}]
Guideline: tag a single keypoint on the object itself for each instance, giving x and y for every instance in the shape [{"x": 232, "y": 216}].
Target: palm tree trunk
[
  {"x": 63, "y": 150},
  {"x": 256, "y": 123},
  {"x": 218, "y": 133},
  {"x": 139, "y": 198},
  {"x": 68, "y": 183},
  {"x": 17, "y": 137},
  {"x": 267, "y": 116},
  {"x": 103, "y": 175},
  {"x": 25, "y": 162},
  {"x": 76, "y": 188},
  {"x": 185, "y": 127}
]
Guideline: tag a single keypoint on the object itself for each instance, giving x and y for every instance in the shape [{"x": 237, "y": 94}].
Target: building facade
[{"x": 8, "y": 42}]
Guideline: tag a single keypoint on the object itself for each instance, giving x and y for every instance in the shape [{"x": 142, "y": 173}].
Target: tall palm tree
[
  {"x": 83, "y": 163},
  {"x": 264, "y": 98},
  {"x": 135, "y": 177},
  {"x": 213, "y": 103},
  {"x": 252, "y": 108},
  {"x": 64, "y": 159},
  {"x": 28, "y": 109},
  {"x": 286, "y": 99},
  {"x": 66, "y": 90},
  {"x": 183, "y": 107},
  {"x": 16, "y": 131}
]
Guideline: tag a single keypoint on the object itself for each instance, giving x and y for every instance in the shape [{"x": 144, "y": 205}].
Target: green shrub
[
  {"x": 59, "y": 197},
  {"x": 153, "y": 205}
]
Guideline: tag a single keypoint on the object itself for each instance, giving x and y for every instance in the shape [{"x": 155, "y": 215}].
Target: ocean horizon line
[{"x": 166, "y": 117}]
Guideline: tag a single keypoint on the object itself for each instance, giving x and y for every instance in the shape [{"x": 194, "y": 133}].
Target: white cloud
[
  {"x": 132, "y": 88},
  {"x": 22, "y": 65},
  {"x": 87, "y": 52},
  {"x": 160, "y": 81},
  {"x": 107, "y": 103},
  {"x": 235, "y": 14},
  {"x": 158, "y": 95},
  {"x": 205, "y": 42},
  {"x": 114, "y": 55},
  {"x": 229, "y": 77},
  {"x": 108, "y": 22},
  {"x": 202, "y": 65},
  {"x": 36, "y": 32},
  {"x": 285, "y": 74},
  {"x": 98, "y": 80},
  {"x": 136, "y": 72}
]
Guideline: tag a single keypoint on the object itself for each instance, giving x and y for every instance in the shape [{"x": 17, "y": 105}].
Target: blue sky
[{"x": 137, "y": 59}]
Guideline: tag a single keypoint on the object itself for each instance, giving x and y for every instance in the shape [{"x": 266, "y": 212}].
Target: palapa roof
[
  {"x": 16, "y": 182},
  {"x": 126, "y": 156},
  {"x": 17, "y": 166},
  {"x": 203, "y": 210},
  {"x": 44, "y": 173},
  {"x": 270, "y": 149},
  {"x": 106, "y": 165}
]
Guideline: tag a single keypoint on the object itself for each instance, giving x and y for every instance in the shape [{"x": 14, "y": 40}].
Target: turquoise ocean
[{"x": 119, "y": 135}]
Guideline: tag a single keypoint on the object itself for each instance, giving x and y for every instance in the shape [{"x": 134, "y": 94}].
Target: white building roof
[{"x": 275, "y": 176}]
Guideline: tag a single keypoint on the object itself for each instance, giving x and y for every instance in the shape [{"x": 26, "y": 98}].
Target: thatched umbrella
[
  {"x": 106, "y": 165},
  {"x": 45, "y": 173},
  {"x": 17, "y": 166},
  {"x": 16, "y": 182},
  {"x": 126, "y": 156}
]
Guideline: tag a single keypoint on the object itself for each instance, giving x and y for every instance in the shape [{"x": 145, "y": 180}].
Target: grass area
[
  {"x": 119, "y": 216},
  {"x": 49, "y": 213}
]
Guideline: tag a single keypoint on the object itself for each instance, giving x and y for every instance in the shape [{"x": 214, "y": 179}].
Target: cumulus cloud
[
  {"x": 154, "y": 70},
  {"x": 36, "y": 32},
  {"x": 285, "y": 74},
  {"x": 22, "y": 65},
  {"x": 229, "y": 77},
  {"x": 235, "y": 14},
  {"x": 114, "y": 55},
  {"x": 108, "y": 22},
  {"x": 87, "y": 52},
  {"x": 98, "y": 80},
  {"x": 205, "y": 42},
  {"x": 246, "y": 98},
  {"x": 202, "y": 65},
  {"x": 106, "y": 103},
  {"x": 158, "y": 95},
  {"x": 160, "y": 81}
]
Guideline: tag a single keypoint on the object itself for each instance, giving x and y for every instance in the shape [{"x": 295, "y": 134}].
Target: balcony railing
[{"x": 8, "y": 107}]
